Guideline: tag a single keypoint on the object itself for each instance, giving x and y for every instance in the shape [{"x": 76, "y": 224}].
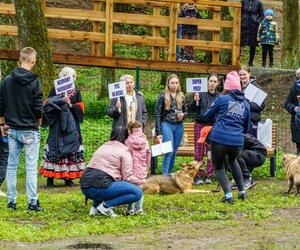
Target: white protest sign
[
  {"x": 117, "y": 89},
  {"x": 196, "y": 85},
  {"x": 255, "y": 94},
  {"x": 264, "y": 133},
  {"x": 64, "y": 85},
  {"x": 161, "y": 148}
]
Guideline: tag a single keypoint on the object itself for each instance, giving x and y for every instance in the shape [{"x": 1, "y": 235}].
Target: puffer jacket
[
  {"x": 268, "y": 32},
  {"x": 163, "y": 115},
  {"x": 63, "y": 138},
  {"x": 141, "y": 154}
]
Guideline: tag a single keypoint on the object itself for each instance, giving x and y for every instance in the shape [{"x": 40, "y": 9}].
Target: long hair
[{"x": 178, "y": 97}]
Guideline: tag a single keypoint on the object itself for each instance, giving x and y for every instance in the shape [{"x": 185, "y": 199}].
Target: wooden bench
[{"x": 188, "y": 150}]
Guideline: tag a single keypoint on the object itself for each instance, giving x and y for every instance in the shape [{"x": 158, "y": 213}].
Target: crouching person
[{"x": 108, "y": 179}]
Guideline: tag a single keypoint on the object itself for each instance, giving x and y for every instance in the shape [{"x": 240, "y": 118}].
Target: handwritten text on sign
[
  {"x": 196, "y": 85},
  {"x": 64, "y": 85},
  {"x": 117, "y": 89}
]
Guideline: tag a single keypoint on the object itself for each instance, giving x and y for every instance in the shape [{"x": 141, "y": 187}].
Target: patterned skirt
[{"x": 70, "y": 166}]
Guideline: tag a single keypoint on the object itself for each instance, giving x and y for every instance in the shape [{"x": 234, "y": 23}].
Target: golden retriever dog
[
  {"x": 179, "y": 182},
  {"x": 291, "y": 164}
]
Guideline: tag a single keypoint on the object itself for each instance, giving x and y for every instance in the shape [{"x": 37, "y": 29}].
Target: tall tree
[
  {"x": 32, "y": 31},
  {"x": 290, "y": 45}
]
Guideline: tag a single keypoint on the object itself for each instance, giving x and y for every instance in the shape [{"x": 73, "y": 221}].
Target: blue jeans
[
  {"x": 30, "y": 140},
  {"x": 119, "y": 193},
  {"x": 136, "y": 205},
  {"x": 171, "y": 132}
]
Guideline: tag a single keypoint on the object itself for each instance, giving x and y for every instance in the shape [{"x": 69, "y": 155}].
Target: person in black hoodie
[
  {"x": 255, "y": 109},
  {"x": 200, "y": 104},
  {"x": 21, "y": 110},
  {"x": 292, "y": 105}
]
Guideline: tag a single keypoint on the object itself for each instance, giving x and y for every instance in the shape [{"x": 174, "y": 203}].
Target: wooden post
[
  {"x": 216, "y": 38},
  {"x": 109, "y": 28},
  {"x": 156, "y": 33},
  {"x": 96, "y": 28},
  {"x": 236, "y": 29},
  {"x": 173, "y": 31}
]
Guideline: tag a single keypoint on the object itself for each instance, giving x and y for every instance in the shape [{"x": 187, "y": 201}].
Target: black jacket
[
  {"x": 63, "y": 138},
  {"x": 251, "y": 143},
  {"x": 21, "y": 100},
  {"x": 290, "y": 103},
  {"x": 252, "y": 15},
  {"x": 255, "y": 109},
  {"x": 163, "y": 115},
  {"x": 205, "y": 102}
]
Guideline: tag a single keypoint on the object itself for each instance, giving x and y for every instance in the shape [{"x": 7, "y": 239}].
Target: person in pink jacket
[
  {"x": 141, "y": 154},
  {"x": 108, "y": 180}
]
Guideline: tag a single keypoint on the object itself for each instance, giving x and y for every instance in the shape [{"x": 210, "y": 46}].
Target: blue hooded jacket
[{"x": 230, "y": 129}]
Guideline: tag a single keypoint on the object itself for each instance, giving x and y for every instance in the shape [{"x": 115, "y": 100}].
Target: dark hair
[
  {"x": 213, "y": 75},
  {"x": 119, "y": 133}
]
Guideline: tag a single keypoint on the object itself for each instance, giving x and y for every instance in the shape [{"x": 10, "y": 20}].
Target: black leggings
[{"x": 219, "y": 154}]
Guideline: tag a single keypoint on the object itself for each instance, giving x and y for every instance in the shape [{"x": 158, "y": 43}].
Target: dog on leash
[
  {"x": 291, "y": 164},
  {"x": 179, "y": 182}
]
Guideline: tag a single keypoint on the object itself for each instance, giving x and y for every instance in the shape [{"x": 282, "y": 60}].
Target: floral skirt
[{"x": 70, "y": 166}]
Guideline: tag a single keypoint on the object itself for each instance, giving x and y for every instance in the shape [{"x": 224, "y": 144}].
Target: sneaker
[
  {"x": 208, "y": 180},
  {"x": 249, "y": 183},
  {"x": 107, "y": 211},
  {"x": 192, "y": 61},
  {"x": 129, "y": 212},
  {"x": 185, "y": 61},
  {"x": 227, "y": 200},
  {"x": 139, "y": 211},
  {"x": 93, "y": 211},
  {"x": 12, "y": 206},
  {"x": 35, "y": 207},
  {"x": 2, "y": 194},
  {"x": 198, "y": 180},
  {"x": 242, "y": 196}
]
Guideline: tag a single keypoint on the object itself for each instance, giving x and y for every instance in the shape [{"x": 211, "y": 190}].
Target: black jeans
[
  {"x": 267, "y": 48},
  {"x": 252, "y": 55},
  {"x": 3, "y": 160},
  {"x": 248, "y": 160},
  {"x": 219, "y": 154}
]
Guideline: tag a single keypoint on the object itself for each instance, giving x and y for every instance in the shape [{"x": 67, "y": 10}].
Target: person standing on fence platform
[
  {"x": 129, "y": 108},
  {"x": 170, "y": 111},
  {"x": 67, "y": 163},
  {"x": 292, "y": 105},
  {"x": 21, "y": 109},
  {"x": 231, "y": 113},
  {"x": 255, "y": 109},
  {"x": 252, "y": 15},
  {"x": 200, "y": 104},
  {"x": 189, "y": 31}
]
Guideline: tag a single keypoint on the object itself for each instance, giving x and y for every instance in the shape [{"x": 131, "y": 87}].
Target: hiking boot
[
  {"x": 69, "y": 183},
  {"x": 129, "y": 212},
  {"x": 35, "y": 207},
  {"x": 249, "y": 183},
  {"x": 208, "y": 180},
  {"x": 93, "y": 211},
  {"x": 107, "y": 211},
  {"x": 227, "y": 200},
  {"x": 50, "y": 182},
  {"x": 198, "y": 181},
  {"x": 12, "y": 206},
  {"x": 2, "y": 194}
]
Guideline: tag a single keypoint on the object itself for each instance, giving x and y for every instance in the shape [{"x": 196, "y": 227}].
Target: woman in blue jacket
[{"x": 231, "y": 113}]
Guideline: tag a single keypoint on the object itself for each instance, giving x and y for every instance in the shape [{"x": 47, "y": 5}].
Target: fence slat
[
  {"x": 108, "y": 28},
  {"x": 156, "y": 33},
  {"x": 236, "y": 37},
  {"x": 173, "y": 31}
]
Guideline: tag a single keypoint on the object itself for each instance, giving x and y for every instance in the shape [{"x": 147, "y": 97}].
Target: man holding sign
[{"x": 126, "y": 103}]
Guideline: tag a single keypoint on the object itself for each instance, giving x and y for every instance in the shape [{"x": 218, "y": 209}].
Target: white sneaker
[
  {"x": 93, "y": 211},
  {"x": 106, "y": 211},
  {"x": 2, "y": 194}
]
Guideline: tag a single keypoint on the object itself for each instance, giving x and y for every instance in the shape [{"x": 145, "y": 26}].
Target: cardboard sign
[
  {"x": 161, "y": 148},
  {"x": 255, "y": 94},
  {"x": 264, "y": 133},
  {"x": 117, "y": 89},
  {"x": 196, "y": 85},
  {"x": 64, "y": 85}
]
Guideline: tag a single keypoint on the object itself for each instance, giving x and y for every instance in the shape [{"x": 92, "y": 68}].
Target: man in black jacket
[{"x": 21, "y": 110}]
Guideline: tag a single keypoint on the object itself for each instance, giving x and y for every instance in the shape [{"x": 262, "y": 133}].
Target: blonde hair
[
  {"x": 27, "y": 54},
  {"x": 132, "y": 125},
  {"x": 125, "y": 77},
  {"x": 178, "y": 97},
  {"x": 245, "y": 68},
  {"x": 67, "y": 71}
]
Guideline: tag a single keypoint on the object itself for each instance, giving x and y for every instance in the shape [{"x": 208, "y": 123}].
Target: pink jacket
[
  {"x": 115, "y": 159},
  {"x": 140, "y": 149}
]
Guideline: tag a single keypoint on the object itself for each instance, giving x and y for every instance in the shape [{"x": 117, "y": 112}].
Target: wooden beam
[
  {"x": 236, "y": 31},
  {"x": 174, "y": 9},
  {"x": 96, "y": 28},
  {"x": 109, "y": 28},
  {"x": 156, "y": 33},
  {"x": 216, "y": 38},
  {"x": 111, "y": 62}
]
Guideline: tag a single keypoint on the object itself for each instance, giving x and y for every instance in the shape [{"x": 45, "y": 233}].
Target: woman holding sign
[
  {"x": 128, "y": 108},
  {"x": 255, "y": 109},
  {"x": 68, "y": 166},
  {"x": 170, "y": 111}
]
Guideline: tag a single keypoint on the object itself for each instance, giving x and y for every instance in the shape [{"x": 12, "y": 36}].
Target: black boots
[
  {"x": 35, "y": 207},
  {"x": 69, "y": 182},
  {"x": 50, "y": 182}
]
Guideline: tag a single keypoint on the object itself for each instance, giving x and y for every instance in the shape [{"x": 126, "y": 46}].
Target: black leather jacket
[{"x": 162, "y": 115}]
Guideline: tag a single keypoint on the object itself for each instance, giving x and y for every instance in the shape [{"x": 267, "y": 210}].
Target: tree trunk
[
  {"x": 108, "y": 76},
  {"x": 32, "y": 31},
  {"x": 290, "y": 46}
]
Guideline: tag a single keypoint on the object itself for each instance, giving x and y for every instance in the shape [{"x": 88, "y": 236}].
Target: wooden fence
[{"x": 103, "y": 13}]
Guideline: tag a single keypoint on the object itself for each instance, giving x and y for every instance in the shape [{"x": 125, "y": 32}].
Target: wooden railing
[{"x": 155, "y": 21}]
